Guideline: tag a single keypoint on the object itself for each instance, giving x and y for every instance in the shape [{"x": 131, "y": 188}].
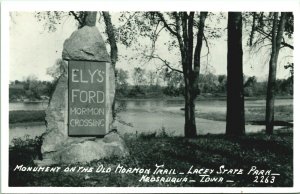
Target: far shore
[
  {"x": 28, "y": 101},
  {"x": 26, "y": 124},
  {"x": 164, "y": 97},
  {"x": 199, "y": 98}
]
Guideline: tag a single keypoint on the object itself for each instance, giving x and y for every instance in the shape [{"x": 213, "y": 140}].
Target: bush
[{"x": 136, "y": 91}]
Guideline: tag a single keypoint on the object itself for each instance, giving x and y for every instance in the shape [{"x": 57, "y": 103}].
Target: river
[{"x": 147, "y": 116}]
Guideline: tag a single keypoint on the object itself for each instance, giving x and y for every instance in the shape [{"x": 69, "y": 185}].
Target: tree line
[
  {"x": 149, "y": 83},
  {"x": 189, "y": 32},
  {"x": 30, "y": 89}
]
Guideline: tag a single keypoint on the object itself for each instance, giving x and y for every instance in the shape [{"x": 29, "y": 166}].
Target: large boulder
[{"x": 84, "y": 44}]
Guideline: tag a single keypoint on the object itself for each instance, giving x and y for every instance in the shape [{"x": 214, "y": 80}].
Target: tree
[
  {"x": 186, "y": 30},
  {"x": 59, "y": 68},
  {"x": 208, "y": 83},
  {"x": 250, "y": 86},
  {"x": 291, "y": 67},
  {"x": 151, "y": 76},
  {"x": 277, "y": 35},
  {"x": 290, "y": 80},
  {"x": 181, "y": 26},
  {"x": 31, "y": 87},
  {"x": 175, "y": 83},
  {"x": 122, "y": 76},
  {"x": 110, "y": 31},
  {"x": 138, "y": 76},
  {"x": 121, "y": 81},
  {"x": 186, "y": 36},
  {"x": 222, "y": 79},
  {"x": 184, "y": 23},
  {"x": 262, "y": 25},
  {"x": 235, "y": 117}
]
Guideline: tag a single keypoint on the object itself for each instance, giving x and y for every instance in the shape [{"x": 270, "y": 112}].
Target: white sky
[{"x": 33, "y": 49}]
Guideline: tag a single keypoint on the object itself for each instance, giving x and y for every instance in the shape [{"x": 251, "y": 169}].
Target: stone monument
[{"x": 79, "y": 114}]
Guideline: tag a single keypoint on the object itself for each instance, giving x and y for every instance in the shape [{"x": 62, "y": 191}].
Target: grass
[
  {"x": 281, "y": 113},
  {"x": 273, "y": 152}
]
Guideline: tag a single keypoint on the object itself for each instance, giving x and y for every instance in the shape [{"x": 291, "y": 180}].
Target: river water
[{"x": 147, "y": 116}]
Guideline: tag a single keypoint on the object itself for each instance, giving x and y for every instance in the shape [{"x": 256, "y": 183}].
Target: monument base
[{"x": 84, "y": 150}]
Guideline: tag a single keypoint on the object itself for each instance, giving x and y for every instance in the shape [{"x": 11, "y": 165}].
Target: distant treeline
[
  {"x": 30, "y": 90},
  {"x": 149, "y": 84},
  {"x": 152, "y": 84}
]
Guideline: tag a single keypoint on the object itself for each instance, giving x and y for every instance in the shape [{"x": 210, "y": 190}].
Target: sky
[{"x": 33, "y": 49}]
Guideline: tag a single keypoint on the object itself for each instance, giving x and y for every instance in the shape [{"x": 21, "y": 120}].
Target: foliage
[
  {"x": 121, "y": 82},
  {"x": 138, "y": 76},
  {"x": 259, "y": 27},
  {"x": 151, "y": 76},
  {"x": 175, "y": 85},
  {"x": 284, "y": 86},
  {"x": 59, "y": 68},
  {"x": 52, "y": 18},
  {"x": 30, "y": 89},
  {"x": 183, "y": 29},
  {"x": 23, "y": 151},
  {"x": 291, "y": 67},
  {"x": 172, "y": 84},
  {"x": 136, "y": 91},
  {"x": 26, "y": 143}
]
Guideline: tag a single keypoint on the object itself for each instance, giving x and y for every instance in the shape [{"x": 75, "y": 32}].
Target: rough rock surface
[
  {"x": 57, "y": 146},
  {"x": 85, "y": 44},
  {"x": 84, "y": 150}
]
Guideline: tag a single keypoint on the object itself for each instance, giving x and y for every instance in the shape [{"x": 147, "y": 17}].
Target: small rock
[
  {"x": 112, "y": 137},
  {"x": 87, "y": 177},
  {"x": 44, "y": 162}
]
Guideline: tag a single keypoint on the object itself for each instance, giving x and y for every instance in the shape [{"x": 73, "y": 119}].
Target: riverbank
[
  {"x": 273, "y": 152},
  {"x": 28, "y": 101}
]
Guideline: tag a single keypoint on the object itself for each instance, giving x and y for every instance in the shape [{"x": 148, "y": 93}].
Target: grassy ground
[{"x": 210, "y": 151}]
